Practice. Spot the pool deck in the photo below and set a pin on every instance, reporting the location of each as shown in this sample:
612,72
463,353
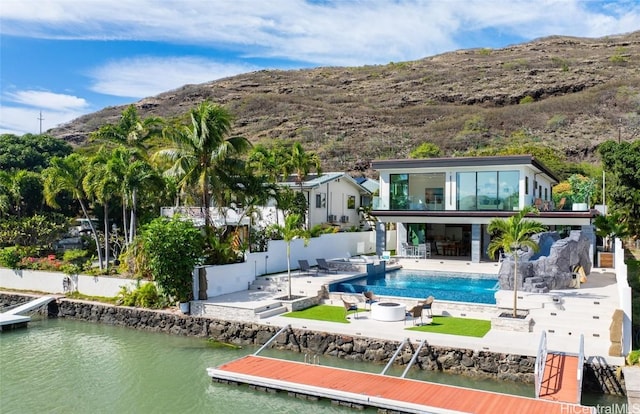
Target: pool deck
564,314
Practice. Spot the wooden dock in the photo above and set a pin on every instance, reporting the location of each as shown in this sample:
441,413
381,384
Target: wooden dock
560,382
361,389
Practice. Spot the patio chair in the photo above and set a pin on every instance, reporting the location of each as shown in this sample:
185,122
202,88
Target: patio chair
324,266
414,313
426,304
407,251
306,268
424,251
561,203
369,298
349,306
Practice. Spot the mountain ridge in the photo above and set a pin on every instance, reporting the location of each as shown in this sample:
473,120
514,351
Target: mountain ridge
569,92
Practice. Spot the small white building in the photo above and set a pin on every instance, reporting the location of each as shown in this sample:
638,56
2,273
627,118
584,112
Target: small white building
332,198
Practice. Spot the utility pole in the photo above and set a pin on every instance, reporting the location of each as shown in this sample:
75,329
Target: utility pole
40,118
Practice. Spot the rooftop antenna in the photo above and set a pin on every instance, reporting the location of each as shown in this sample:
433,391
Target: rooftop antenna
40,118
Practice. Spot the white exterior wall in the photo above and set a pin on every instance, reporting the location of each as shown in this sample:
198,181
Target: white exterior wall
237,277
336,194
52,282
450,189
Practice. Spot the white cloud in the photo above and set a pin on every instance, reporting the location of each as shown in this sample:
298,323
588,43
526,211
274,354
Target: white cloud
21,120
327,32
44,99
145,76
26,108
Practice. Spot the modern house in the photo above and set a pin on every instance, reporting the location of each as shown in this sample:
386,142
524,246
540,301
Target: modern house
447,203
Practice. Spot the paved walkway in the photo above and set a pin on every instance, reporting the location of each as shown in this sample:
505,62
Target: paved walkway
586,310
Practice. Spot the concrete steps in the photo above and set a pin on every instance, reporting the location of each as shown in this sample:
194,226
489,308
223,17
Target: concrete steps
270,310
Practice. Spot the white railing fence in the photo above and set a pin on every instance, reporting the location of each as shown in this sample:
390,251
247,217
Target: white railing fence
580,367
624,293
541,361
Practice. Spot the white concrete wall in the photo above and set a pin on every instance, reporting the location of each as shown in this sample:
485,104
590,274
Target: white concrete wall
624,293
52,282
236,277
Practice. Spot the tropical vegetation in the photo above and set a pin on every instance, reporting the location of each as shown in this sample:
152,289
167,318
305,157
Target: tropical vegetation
511,236
118,182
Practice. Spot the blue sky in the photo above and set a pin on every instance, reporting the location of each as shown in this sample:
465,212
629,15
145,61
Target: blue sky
67,58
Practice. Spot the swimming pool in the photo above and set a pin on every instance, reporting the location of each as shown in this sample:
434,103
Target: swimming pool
458,287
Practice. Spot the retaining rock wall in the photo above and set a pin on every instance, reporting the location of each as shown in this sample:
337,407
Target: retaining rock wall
451,360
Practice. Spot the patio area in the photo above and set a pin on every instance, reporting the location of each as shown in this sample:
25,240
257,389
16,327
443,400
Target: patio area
564,314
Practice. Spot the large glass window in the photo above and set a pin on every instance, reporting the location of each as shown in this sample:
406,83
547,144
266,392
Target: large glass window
509,188
487,190
466,197
399,196
423,191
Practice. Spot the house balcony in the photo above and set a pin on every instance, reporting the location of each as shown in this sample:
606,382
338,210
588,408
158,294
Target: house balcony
407,204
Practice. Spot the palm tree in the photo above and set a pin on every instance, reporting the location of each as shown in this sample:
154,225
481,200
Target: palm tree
292,230
132,173
301,163
272,161
610,227
201,149
67,174
101,182
130,131
511,235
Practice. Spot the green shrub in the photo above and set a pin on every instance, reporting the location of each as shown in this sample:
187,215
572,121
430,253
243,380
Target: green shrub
145,296
10,257
75,256
527,100
634,357
620,56
556,122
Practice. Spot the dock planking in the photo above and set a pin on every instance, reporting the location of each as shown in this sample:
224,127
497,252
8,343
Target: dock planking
560,380
375,390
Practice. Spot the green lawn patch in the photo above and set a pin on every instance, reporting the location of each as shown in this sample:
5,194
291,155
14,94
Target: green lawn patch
320,313
455,326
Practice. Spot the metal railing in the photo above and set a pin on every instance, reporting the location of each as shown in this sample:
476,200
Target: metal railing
580,367
272,339
541,361
394,356
413,358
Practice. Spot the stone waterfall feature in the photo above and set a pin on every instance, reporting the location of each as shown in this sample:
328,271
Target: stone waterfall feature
550,267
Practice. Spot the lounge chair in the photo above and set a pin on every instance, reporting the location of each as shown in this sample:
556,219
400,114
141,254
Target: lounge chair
369,298
426,304
349,306
306,268
414,313
324,266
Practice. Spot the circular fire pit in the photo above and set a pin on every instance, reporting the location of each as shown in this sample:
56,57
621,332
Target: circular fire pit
388,311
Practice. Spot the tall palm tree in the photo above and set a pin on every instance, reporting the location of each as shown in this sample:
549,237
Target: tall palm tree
511,235
292,230
101,182
133,173
130,131
67,174
271,161
201,148
302,163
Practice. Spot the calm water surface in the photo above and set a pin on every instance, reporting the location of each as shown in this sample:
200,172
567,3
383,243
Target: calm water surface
63,366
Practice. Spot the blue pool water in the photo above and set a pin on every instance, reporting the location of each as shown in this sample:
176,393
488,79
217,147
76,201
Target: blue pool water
458,287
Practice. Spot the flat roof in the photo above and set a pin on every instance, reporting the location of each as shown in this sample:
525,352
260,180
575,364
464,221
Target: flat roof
464,162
